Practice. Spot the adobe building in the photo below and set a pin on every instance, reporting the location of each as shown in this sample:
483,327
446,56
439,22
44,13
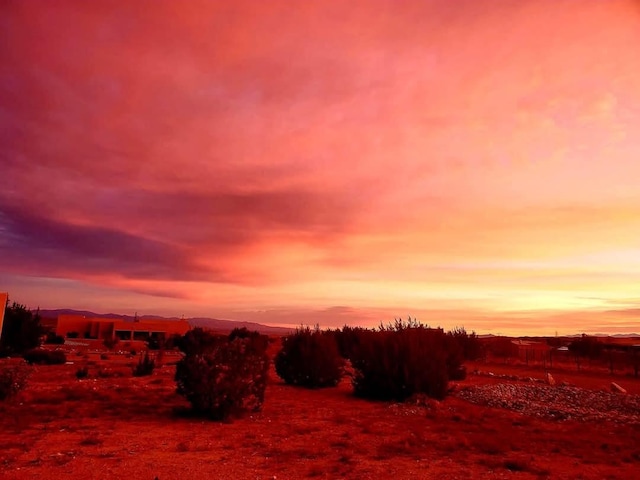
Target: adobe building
103,328
4,299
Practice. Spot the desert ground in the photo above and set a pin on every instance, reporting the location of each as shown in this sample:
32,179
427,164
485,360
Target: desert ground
503,421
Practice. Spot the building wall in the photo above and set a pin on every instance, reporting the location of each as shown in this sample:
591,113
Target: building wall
4,298
109,328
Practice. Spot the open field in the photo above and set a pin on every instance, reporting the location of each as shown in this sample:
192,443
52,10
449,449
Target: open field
119,427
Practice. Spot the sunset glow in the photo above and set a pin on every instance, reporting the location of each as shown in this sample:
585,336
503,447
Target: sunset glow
466,163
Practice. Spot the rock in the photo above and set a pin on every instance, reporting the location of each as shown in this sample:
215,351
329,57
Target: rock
617,388
550,379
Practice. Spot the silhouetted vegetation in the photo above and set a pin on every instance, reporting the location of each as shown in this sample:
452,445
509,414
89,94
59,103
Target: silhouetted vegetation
310,358
12,380
470,346
403,359
347,339
40,356
221,378
53,339
21,330
501,347
197,341
111,343
145,366
586,347
258,341
82,372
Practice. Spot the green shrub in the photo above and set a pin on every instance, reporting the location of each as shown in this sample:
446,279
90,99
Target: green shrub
144,366
221,379
12,380
400,360
82,372
310,358
40,356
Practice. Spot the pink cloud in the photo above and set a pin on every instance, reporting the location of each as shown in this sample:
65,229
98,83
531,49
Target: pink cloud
261,149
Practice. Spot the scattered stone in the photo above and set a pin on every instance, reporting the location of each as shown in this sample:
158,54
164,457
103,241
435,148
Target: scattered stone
617,388
550,380
557,402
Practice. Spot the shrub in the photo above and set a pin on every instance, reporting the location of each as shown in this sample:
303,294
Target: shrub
310,358
257,342
105,372
82,372
469,343
53,339
221,378
347,339
12,380
145,366
585,346
111,343
40,356
398,361
197,341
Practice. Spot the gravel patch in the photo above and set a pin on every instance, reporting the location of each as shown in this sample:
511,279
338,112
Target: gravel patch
556,402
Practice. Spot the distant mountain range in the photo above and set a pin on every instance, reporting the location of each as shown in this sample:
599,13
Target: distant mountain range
211,323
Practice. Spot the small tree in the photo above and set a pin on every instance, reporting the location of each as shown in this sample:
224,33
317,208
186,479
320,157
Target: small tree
21,330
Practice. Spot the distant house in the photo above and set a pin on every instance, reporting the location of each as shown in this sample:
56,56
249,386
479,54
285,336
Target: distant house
531,351
109,328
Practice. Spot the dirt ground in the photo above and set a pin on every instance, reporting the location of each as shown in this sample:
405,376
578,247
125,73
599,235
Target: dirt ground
127,427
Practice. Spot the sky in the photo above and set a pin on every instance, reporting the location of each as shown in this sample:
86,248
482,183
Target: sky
468,163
